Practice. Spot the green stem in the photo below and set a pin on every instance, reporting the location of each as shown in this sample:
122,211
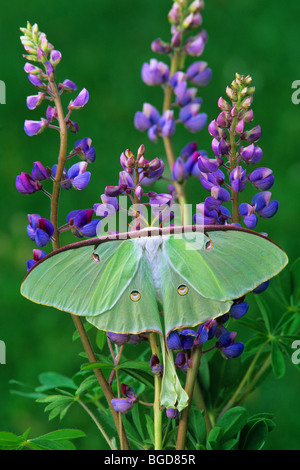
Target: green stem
189,388
157,411
201,405
168,143
253,382
56,244
246,377
96,422
235,196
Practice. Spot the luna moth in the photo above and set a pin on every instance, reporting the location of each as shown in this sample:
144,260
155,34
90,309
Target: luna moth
123,282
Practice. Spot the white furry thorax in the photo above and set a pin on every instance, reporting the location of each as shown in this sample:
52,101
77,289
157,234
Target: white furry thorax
152,248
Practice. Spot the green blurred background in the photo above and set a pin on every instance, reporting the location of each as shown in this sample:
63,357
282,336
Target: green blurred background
104,45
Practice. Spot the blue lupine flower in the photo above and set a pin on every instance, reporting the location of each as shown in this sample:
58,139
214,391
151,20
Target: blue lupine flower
25,184
80,101
172,413
39,172
82,223
85,150
238,310
39,229
155,73
227,346
37,256
122,405
76,176
262,287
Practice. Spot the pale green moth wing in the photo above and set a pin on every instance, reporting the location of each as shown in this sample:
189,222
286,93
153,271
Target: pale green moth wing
229,264
136,309
183,304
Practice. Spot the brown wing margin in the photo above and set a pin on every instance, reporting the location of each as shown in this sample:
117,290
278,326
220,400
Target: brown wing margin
151,232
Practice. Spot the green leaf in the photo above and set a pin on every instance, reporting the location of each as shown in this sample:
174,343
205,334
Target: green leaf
233,421
135,413
63,434
264,312
198,426
9,440
101,339
46,444
278,362
52,380
214,438
88,383
150,427
256,436
143,377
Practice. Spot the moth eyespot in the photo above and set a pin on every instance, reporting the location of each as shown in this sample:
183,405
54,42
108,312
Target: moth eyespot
135,296
95,258
209,245
182,290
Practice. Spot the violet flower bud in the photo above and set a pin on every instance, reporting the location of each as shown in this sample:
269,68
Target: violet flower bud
205,216
195,47
85,150
35,127
172,413
173,341
129,393
227,346
122,405
253,135
251,154
161,47
216,131
118,338
262,178
239,310
37,82
261,288
55,57
264,206
238,179
39,229
220,193
108,207
25,184
77,176
39,172
51,113
80,101
179,172
67,86
37,256
155,73
35,100
50,71
32,69
220,147
209,165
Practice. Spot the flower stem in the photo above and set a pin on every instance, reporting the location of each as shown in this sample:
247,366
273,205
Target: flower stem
246,377
56,244
157,410
189,388
96,422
